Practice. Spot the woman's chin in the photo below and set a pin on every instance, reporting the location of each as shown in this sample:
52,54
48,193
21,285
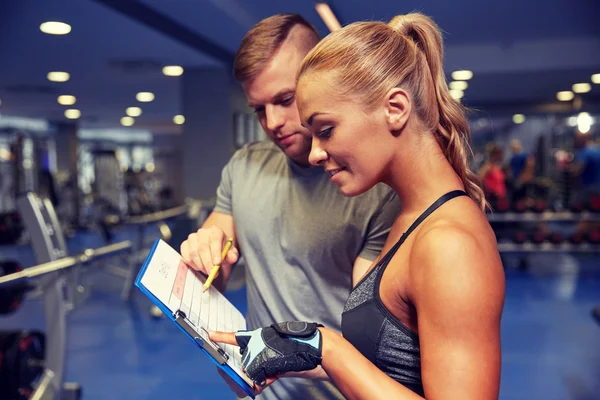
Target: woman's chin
351,190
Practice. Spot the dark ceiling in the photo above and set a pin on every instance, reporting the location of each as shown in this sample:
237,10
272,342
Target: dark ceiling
521,52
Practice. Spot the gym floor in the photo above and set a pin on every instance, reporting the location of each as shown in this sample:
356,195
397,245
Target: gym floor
551,344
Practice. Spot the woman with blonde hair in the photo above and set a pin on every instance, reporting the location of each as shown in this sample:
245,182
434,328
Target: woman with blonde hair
424,320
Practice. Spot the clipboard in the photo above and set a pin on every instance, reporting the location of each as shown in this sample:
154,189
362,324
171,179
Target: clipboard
197,334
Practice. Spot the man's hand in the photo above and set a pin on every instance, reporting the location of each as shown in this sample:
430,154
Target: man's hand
202,250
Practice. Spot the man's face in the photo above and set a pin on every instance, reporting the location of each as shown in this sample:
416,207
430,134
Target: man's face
272,95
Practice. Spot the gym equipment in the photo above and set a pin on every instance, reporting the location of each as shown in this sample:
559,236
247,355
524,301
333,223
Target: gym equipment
22,363
520,237
109,184
539,236
50,250
594,203
11,298
556,238
577,206
502,205
520,206
576,238
594,236
539,206
11,227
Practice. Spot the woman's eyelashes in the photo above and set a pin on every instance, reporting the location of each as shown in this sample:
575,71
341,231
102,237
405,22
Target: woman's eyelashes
325,133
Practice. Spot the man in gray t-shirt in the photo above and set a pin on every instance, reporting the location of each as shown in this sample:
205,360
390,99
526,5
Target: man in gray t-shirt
304,243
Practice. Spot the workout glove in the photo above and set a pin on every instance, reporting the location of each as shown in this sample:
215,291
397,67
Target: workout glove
279,348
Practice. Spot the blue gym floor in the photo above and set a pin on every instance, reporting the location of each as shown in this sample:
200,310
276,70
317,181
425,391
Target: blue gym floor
551,345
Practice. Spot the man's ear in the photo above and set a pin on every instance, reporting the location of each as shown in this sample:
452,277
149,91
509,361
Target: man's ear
398,106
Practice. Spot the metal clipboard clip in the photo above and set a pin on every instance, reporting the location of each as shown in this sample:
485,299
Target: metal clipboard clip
201,338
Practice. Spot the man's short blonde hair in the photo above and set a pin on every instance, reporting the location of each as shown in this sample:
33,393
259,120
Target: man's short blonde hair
263,40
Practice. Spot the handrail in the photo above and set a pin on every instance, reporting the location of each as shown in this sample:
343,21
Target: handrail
157,216
66,262
546,216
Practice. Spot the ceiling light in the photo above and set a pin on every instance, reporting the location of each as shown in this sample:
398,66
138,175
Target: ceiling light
55,28
133,111
459,85
66,100
57,76
328,16
596,79
72,113
172,70
582,87
145,97
179,119
572,121
127,121
518,118
584,122
462,75
457,94
565,95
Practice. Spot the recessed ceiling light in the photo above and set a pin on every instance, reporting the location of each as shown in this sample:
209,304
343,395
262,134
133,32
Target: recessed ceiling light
457,94
172,70
133,111
518,118
462,75
66,100
145,97
565,95
596,79
179,119
72,113
584,122
127,121
459,85
55,28
582,87
58,76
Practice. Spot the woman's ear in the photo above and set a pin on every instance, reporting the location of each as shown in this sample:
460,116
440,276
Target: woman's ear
398,107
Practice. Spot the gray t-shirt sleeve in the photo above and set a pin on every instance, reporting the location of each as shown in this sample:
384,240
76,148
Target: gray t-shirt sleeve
380,226
224,191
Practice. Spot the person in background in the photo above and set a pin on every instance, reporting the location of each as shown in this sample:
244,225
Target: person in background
521,170
424,320
304,243
492,175
586,164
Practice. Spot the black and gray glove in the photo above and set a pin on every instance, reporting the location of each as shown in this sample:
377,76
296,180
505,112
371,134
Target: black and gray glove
279,348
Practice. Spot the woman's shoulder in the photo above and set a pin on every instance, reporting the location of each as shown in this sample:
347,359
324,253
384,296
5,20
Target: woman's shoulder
458,244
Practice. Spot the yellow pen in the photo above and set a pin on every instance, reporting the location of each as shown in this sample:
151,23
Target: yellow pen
215,269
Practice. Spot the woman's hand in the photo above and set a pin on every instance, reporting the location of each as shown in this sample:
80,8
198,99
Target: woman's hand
276,350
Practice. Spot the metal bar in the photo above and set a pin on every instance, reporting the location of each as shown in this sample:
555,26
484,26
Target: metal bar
158,216
565,216
46,387
548,248
66,262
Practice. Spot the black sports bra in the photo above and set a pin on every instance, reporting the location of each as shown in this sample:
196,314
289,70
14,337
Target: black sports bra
375,331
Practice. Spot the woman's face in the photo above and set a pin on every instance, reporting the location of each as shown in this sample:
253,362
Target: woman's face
353,145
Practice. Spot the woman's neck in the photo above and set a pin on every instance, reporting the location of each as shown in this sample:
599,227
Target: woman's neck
420,173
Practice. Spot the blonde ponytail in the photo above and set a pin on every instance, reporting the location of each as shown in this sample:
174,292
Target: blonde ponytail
450,123
373,57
